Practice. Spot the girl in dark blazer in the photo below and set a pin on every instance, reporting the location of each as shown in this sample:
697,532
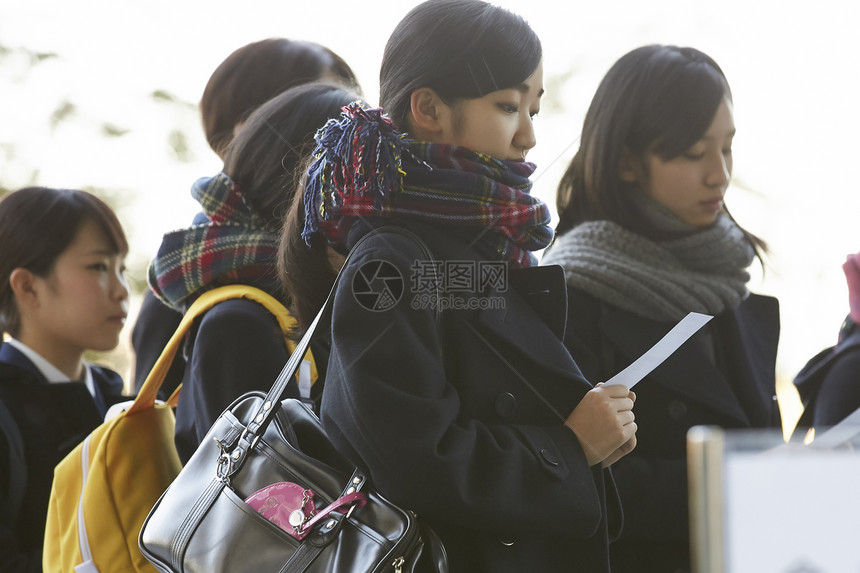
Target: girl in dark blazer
238,346
644,238
62,292
448,381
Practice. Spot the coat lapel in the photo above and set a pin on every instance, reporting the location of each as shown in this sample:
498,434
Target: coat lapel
535,308
752,333
11,355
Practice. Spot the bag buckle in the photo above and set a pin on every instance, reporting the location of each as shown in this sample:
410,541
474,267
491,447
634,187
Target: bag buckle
253,442
224,467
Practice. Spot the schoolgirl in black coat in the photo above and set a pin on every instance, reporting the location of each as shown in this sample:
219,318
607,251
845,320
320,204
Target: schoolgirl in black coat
249,77
644,238
62,292
448,381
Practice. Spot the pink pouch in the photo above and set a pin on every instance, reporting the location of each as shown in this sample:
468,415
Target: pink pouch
287,505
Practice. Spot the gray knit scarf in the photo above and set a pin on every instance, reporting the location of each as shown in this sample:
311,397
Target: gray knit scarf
702,270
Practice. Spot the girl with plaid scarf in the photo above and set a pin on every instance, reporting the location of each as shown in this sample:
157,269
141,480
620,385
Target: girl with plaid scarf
249,77
447,380
238,345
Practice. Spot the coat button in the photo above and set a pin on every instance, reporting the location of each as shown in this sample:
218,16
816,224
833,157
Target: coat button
506,405
549,457
677,409
507,540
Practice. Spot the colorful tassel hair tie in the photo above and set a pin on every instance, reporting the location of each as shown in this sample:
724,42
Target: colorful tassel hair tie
357,163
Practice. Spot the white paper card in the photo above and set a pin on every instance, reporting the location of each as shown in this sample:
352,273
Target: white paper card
655,356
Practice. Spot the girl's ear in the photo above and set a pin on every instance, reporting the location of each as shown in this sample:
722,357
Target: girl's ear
23,286
630,167
429,114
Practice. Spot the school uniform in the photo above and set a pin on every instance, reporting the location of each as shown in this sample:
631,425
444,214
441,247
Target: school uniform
459,414
724,376
236,347
51,418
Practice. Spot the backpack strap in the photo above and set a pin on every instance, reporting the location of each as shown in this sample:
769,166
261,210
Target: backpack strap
149,391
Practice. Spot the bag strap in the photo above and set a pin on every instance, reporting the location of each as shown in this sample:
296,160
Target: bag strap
149,391
266,411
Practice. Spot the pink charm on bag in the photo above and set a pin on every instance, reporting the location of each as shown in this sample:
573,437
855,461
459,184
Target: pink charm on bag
287,505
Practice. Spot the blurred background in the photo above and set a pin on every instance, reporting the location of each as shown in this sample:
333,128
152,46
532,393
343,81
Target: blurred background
102,95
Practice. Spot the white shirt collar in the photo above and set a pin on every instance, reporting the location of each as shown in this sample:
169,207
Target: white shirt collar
48,370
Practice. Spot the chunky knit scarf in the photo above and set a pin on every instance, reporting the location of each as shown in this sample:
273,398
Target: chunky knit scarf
365,167
701,270
233,246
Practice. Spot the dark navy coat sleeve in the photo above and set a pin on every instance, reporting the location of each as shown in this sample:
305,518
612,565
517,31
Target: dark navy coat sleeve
829,384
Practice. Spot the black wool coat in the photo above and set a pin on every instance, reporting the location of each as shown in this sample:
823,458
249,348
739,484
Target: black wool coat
51,419
731,385
459,414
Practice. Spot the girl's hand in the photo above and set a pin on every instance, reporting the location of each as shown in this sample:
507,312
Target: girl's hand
604,423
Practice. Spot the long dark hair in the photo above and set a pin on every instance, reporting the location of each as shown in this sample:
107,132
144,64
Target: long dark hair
256,72
36,225
266,155
306,272
460,49
656,98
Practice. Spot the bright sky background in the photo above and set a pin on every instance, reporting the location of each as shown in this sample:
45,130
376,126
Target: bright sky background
793,67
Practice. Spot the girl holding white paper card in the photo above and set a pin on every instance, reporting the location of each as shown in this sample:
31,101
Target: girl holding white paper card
644,238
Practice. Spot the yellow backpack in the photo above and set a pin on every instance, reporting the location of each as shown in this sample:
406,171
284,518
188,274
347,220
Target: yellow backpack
104,489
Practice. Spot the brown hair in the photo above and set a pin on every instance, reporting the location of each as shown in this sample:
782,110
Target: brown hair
269,150
36,225
258,71
306,272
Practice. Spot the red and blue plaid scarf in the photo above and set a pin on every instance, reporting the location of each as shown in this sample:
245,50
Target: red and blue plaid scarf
232,246
364,167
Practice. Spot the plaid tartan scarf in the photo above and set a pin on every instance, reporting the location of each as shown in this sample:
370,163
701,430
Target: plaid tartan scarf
233,246
364,167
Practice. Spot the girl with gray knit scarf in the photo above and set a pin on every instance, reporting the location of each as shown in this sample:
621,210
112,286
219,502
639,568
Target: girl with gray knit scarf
644,238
